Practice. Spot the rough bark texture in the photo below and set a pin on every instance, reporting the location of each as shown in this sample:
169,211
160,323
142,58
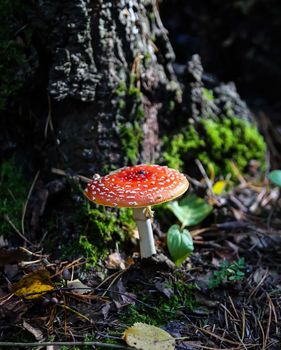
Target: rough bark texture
96,46
226,97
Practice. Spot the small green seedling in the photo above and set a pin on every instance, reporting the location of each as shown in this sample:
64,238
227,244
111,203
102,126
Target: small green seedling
228,272
190,210
179,243
275,177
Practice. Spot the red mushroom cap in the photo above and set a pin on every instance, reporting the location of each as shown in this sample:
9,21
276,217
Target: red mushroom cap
137,186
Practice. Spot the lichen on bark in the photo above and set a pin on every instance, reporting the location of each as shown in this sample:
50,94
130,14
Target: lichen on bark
96,46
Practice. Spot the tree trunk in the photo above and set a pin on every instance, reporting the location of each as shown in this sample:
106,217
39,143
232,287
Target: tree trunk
110,79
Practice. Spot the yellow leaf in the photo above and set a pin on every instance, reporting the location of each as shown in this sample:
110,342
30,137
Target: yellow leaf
35,282
145,337
218,187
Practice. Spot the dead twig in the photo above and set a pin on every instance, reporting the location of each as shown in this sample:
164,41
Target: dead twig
243,324
113,281
74,263
107,279
66,343
49,122
233,306
78,314
203,330
253,292
198,232
6,217
263,335
269,320
194,181
34,254
204,174
233,319
64,173
27,200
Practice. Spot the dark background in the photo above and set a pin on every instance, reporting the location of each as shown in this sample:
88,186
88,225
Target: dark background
237,40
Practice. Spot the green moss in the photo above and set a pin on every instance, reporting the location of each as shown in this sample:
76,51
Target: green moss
90,251
131,138
164,309
179,145
109,224
100,229
130,109
216,142
208,94
13,193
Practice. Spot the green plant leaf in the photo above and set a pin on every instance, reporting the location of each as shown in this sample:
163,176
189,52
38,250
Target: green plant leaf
179,243
275,177
191,210
228,272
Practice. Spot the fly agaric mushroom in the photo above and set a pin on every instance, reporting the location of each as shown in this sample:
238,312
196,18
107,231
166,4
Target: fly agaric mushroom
138,187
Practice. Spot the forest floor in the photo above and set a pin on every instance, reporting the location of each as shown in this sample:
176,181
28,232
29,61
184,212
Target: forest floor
225,296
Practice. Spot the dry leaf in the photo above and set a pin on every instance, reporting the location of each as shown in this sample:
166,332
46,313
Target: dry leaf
120,296
115,261
145,337
35,282
78,287
219,187
11,312
163,288
130,261
38,334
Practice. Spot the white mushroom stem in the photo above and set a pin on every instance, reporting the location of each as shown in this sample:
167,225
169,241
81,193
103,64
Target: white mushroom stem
147,246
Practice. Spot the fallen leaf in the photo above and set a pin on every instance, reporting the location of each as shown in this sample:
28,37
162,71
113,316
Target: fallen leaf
145,337
115,261
219,187
130,261
163,288
105,309
11,312
259,274
35,331
120,296
37,282
78,287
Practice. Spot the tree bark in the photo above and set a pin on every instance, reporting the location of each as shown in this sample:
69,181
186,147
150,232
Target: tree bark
111,70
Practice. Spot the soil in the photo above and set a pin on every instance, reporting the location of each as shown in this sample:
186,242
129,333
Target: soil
225,296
